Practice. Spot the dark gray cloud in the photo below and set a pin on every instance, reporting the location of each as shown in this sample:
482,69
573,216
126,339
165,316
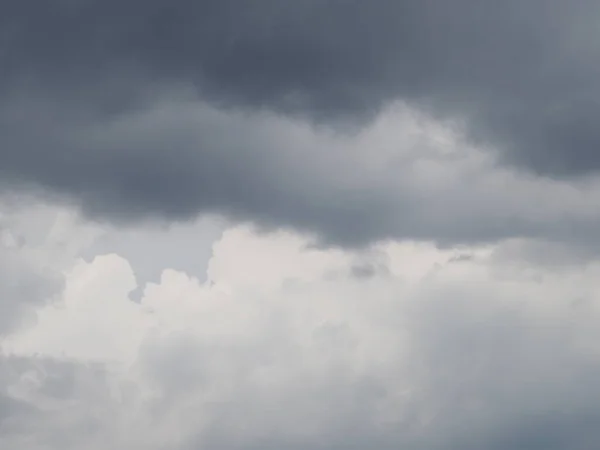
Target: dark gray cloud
179,158
524,72
77,75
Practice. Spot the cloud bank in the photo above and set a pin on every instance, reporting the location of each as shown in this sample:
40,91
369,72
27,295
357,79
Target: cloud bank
285,344
326,224
140,110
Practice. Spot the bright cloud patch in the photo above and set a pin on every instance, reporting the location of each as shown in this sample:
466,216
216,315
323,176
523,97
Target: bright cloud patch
403,345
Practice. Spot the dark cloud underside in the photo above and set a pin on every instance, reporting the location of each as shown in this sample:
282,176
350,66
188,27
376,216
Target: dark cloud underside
523,73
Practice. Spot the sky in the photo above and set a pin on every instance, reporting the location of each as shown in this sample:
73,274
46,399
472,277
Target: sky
303,225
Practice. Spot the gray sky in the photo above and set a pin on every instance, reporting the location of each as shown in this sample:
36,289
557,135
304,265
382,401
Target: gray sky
317,224
138,109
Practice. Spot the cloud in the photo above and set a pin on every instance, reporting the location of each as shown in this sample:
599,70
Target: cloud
523,73
37,245
312,225
418,180
185,247
285,345
27,279
138,110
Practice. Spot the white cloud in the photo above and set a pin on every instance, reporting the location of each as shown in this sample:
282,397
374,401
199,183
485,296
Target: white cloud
285,344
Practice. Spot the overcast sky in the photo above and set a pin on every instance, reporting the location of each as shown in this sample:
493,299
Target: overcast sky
304,225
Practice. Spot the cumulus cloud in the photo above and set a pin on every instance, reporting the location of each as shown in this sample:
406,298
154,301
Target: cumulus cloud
184,246
284,344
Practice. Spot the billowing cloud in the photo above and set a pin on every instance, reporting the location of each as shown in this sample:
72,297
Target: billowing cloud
316,224
145,110
284,344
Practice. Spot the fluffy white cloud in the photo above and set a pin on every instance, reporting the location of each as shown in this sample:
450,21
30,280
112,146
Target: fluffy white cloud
285,344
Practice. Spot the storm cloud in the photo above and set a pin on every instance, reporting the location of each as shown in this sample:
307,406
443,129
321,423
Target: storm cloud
166,169
85,86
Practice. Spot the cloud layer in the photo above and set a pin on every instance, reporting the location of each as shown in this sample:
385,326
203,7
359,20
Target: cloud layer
404,177
285,344
141,110
318,224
